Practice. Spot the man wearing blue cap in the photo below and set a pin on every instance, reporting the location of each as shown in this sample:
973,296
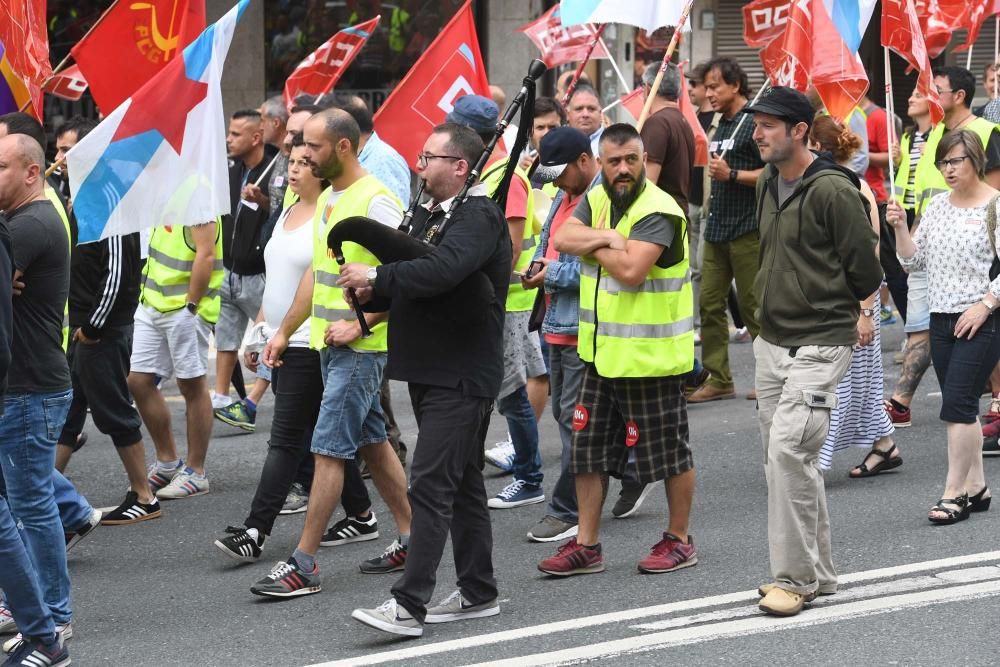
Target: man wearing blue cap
522,350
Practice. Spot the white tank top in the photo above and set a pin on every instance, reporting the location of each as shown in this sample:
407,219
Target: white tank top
287,256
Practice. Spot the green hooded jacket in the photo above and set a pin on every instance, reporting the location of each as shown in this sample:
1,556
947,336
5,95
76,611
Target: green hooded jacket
817,257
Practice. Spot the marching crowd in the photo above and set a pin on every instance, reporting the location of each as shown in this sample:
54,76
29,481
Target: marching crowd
611,262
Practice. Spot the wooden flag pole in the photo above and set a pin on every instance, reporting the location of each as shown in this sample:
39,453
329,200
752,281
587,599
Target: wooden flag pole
583,63
674,39
890,115
55,165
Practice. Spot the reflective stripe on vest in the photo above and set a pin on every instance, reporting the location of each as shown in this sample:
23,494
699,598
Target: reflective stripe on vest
328,303
53,197
167,277
518,298
929,181
641,331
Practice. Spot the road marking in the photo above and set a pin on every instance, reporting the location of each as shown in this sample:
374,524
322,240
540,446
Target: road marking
757,625
476,641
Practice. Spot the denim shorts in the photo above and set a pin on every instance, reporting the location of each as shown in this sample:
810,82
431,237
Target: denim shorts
918,307
350,415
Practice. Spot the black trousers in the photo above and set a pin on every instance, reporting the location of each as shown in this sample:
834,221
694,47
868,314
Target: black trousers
99,373
447,495
298,392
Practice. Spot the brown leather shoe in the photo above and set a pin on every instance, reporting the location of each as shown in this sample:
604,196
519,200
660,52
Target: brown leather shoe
752,395
708,393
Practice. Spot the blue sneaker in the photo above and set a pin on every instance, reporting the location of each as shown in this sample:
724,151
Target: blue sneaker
36,654
502,456
886,315
517,493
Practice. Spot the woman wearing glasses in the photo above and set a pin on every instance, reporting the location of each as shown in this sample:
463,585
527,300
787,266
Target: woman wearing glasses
953,246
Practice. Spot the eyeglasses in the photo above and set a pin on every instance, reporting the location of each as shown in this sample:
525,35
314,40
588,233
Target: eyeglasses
424,158
953,162
942,92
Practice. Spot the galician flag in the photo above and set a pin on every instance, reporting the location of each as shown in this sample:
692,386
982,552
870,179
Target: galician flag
646,14
160,157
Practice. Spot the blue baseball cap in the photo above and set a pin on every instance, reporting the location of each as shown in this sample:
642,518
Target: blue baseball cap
475,111
559,147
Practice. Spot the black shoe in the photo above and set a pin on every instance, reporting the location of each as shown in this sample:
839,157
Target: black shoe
240,544
81,440
36,654
350,529
393,559
132,511
286,580
630,499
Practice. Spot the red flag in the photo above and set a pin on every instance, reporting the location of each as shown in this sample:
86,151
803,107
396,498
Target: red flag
451,67
691,116
811,52
562,44
321,70
634,102
133,42
974,18
938,20
68,84
764,21
901,33
26,46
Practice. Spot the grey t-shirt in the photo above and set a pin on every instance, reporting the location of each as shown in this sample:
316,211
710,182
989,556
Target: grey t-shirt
41,252
654,228
786,188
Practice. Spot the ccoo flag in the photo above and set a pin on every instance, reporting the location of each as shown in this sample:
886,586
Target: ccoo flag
159,158
322,69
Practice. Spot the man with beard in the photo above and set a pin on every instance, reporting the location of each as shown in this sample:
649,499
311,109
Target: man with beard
453,363
636,338
350,416
823,253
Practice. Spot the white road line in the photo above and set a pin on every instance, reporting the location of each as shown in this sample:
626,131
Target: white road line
756,625
625,615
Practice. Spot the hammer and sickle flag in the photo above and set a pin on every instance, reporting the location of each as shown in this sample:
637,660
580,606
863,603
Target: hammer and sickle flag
133,42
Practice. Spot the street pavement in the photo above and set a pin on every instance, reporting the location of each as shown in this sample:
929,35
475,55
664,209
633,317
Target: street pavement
160,593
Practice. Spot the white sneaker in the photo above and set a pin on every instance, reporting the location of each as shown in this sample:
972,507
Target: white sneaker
455,608
220,401
64,631
73,537
7,623
390,617
187,483
501,456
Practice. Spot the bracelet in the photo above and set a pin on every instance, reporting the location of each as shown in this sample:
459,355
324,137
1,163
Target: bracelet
989,308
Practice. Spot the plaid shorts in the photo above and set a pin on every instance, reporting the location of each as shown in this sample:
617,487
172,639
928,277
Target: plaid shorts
616,416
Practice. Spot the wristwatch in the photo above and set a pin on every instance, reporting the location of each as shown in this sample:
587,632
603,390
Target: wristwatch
868,312
372,275
988,306
734,174
192,307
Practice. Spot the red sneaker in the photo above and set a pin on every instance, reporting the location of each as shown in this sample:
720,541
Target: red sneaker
993,414
573,558
900,418
991,429
669,554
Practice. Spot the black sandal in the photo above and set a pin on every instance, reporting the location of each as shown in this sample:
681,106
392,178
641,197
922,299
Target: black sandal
888,462
952,515
979,504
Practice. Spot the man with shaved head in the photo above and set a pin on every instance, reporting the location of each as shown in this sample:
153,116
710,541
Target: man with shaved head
349,418
39,390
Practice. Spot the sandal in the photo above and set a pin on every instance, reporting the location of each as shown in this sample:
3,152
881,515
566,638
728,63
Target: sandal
888,462
951,515
979,504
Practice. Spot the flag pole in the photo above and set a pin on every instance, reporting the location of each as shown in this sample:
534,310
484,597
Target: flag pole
890,115
267,170
764,88
674,39
621,77
583,63
611,106
55,165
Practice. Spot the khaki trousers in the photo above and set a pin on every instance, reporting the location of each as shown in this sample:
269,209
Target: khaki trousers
796,392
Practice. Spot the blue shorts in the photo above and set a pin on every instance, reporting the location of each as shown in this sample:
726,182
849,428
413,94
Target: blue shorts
350,415
918,307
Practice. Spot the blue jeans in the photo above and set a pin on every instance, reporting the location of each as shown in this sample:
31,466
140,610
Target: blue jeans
523,428
74,510
29,428
19,583
350,415
565,374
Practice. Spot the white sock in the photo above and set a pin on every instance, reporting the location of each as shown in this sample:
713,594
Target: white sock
169,465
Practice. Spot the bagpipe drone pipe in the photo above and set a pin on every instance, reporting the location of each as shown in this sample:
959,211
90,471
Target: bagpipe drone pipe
472,296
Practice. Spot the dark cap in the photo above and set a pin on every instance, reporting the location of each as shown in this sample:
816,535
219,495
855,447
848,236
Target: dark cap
476,112
786,103
559,147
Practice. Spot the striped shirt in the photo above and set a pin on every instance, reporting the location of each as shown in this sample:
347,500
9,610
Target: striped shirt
917,143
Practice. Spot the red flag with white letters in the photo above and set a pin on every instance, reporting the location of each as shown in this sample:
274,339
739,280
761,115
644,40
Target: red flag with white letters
901,33
974,18
450,68
562,44
68,84
938,19
764,21
322,68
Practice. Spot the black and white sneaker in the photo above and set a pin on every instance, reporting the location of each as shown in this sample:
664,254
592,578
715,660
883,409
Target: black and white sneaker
350,529
132,511
242,544
73,537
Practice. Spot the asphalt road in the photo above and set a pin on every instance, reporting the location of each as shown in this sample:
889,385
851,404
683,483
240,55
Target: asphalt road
159,593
